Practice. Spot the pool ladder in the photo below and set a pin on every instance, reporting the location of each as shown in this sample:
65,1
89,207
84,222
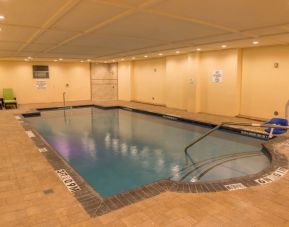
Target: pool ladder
64,101
287,110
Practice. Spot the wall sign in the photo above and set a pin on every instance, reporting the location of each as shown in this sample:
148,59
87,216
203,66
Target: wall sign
40,84
217,76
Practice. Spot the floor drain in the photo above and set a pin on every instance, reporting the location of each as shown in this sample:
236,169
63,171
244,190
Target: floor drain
48,191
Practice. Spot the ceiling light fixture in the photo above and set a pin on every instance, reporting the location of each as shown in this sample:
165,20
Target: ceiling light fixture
88,60
133,58
26,59
177,52
55,60
160,54
122,59
198,49
60,59
224,46
146,56
2,17
255,42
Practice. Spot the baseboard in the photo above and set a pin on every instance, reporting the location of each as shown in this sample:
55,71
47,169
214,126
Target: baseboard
149,103
252,118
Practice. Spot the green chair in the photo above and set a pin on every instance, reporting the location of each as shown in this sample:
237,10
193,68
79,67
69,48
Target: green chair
8,97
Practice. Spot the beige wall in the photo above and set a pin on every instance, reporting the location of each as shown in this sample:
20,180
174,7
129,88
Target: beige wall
18,75
265,89
176,80
181,82
220,98
148,81
185,82
251,85
124,81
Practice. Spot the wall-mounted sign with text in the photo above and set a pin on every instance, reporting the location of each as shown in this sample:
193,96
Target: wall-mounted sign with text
40,84
217,76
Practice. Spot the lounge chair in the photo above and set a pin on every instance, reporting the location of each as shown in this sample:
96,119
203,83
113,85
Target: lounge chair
8,97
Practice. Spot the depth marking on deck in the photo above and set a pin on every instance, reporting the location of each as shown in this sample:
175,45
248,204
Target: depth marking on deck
278,173
67,180
254,134
30,134
237,186
43,149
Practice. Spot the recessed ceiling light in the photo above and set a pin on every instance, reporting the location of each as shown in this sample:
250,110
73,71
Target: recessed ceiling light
177,52
255,42
160,54
60,59
224,46
2,17
55,60
26,59
133,58
146,56
198,49
29,58
81,61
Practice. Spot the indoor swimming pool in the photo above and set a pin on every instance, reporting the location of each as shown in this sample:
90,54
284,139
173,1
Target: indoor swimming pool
116,150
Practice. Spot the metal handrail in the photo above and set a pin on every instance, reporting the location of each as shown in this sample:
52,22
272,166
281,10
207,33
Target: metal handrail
233,123
202,137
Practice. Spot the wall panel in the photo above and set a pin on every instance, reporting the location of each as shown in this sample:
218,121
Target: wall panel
148,81
104,81
18,75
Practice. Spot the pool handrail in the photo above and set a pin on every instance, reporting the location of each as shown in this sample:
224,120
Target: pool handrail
202,137
64,101
234,123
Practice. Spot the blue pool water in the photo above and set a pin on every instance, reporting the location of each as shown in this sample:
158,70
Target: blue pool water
117,150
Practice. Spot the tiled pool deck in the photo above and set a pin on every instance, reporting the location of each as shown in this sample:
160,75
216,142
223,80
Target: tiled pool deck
31,193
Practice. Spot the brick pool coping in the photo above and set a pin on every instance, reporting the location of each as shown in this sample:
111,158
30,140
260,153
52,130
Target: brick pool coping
95,205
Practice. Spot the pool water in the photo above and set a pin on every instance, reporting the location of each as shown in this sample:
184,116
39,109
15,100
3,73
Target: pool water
117,150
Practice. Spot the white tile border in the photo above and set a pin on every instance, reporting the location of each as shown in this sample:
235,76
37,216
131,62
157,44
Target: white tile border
233,187
30,134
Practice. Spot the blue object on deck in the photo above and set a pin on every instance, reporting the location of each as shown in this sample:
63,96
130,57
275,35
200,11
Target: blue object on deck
277,121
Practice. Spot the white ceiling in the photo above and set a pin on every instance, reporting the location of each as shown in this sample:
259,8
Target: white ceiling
106,29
